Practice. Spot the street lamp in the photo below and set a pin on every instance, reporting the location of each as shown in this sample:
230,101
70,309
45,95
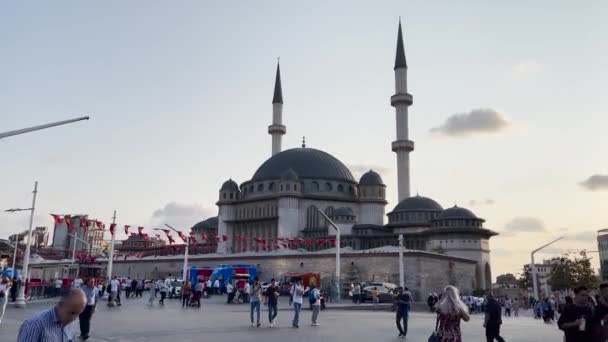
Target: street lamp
534,271
37,128
184,276
74,251
337,251
20,302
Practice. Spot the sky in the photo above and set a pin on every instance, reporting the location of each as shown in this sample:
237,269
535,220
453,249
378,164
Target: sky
509,115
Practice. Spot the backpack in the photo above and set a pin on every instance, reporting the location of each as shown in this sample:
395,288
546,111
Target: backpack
311,295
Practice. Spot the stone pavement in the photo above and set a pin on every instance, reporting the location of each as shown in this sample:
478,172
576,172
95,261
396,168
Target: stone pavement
217,321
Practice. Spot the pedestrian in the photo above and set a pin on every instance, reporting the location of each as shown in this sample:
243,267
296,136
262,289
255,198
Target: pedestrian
186,291
508,306
57,323
5,287
598,326
574,318
92,295
272,296
14,287
374,294
516,304
77,283
430,302
209,287
139,288
157,287
216,286
246,291
493,320
357,293
133,287
151,286
255,292
297,291
58,285
316,306
403,301
127,287
450,310
163,292
231,292
199,288
114,286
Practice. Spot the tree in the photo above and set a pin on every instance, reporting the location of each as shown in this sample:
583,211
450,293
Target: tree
525,280
569,272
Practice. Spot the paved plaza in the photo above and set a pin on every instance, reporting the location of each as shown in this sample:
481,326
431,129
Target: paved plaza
216,321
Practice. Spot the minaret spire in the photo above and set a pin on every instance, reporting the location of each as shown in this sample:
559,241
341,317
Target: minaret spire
402,146
277,130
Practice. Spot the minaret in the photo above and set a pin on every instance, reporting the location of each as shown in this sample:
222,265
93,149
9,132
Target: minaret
276,130
401,101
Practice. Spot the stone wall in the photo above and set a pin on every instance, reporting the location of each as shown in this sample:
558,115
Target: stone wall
424,272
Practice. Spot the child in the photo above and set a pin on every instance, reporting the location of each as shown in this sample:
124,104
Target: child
375,297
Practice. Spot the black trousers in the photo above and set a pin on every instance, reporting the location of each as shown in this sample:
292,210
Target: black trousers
402,317
85,320
162,297
185,300
493,333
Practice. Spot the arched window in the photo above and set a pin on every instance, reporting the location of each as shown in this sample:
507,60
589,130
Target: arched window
224,195
312,217
331,213
315,186
260,187
281,187
270,186
328,187
340,188
251,188
231,195
288,187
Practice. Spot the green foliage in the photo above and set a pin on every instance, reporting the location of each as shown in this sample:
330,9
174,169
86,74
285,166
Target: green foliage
525,280
569,272
479,292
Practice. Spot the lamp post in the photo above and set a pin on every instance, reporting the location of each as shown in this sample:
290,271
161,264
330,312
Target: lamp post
74,251
20,302
534,271
401,274
338,272
111,259
184,276
37,128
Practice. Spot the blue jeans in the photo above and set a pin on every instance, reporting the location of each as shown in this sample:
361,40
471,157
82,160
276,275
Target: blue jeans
255,306
272,311
296,313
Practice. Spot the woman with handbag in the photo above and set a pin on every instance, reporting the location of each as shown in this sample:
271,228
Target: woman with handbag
450,310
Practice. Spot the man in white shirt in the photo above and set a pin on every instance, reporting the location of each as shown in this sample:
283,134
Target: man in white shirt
114,284
77,283
297,290
216,286
58,285
163,291
229,291
246,290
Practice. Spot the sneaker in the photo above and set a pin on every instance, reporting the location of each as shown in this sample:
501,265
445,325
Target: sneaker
258,325
271,324
252,324
315,324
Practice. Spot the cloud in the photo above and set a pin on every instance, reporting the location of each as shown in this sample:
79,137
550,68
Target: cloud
181,216
487,201
596,182
523,224
359,169
524,69
584,236
477,121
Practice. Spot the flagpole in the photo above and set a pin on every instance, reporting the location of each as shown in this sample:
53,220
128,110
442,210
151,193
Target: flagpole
20,302
111,260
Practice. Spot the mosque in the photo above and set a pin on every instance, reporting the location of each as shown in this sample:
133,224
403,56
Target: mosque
288,194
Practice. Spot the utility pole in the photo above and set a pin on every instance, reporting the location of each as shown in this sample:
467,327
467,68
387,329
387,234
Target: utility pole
401,273
20,302
338,271
111,259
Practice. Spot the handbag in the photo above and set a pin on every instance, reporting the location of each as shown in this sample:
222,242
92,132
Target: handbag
435,337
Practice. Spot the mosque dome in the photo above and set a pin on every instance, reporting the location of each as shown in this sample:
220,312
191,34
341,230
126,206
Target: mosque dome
230,185
457,212
208,224
418,203
371,177
289,175
305,163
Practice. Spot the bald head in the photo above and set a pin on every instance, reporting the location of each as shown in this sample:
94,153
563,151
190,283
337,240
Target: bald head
71,306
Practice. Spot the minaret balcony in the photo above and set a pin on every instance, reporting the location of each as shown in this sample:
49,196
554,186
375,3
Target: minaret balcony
280,129
403,145
402,98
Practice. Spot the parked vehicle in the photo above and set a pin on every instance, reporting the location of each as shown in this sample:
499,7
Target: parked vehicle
385,295
308,279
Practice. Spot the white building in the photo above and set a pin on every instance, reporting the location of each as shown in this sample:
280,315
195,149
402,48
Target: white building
282,198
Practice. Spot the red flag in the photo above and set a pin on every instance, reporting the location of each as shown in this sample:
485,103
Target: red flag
204,236
84,224
139,229
224,238
98,224
112,226
68,222
320,242
56,218
193,238
181,235
158,236
171,241
127,229
167,231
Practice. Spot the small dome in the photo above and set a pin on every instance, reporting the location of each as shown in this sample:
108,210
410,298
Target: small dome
418,203
371,177
230,185
456,212
289,175
344,211
208,224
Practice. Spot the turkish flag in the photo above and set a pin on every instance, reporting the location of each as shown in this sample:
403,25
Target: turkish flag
181,235
140,229
204,236
171,241
127,229
167,231
84,224
112,226
320,242
193,238
98,224
224,238
56,219
68,222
